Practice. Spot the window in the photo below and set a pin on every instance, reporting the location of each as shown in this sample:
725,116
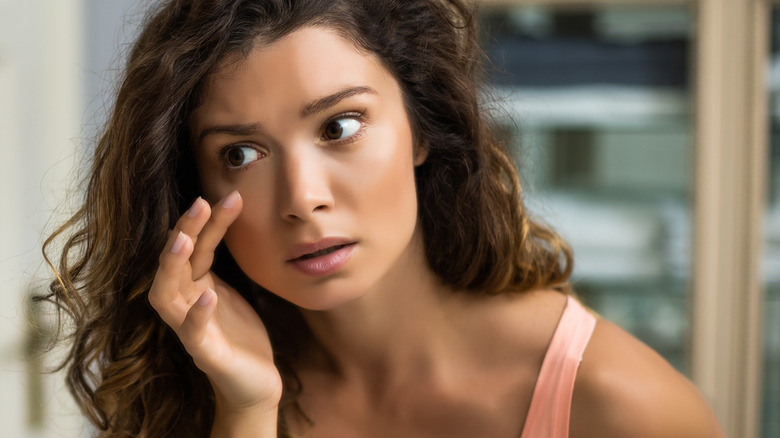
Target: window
597,105
690,148
771,265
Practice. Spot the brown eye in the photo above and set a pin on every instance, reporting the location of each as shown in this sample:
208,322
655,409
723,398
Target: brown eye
333,130
341,128
240,156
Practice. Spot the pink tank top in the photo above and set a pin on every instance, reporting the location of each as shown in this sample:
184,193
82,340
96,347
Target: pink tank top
548,416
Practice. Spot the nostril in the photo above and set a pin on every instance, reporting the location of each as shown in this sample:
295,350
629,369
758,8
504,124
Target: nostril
304,214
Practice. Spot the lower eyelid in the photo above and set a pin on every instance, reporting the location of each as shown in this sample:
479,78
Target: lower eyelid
221,156
361,132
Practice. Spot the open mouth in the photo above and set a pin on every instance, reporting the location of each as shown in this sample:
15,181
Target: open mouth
322,252
325,261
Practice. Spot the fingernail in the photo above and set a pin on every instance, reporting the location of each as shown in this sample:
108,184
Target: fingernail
196,207
231,200
178,244
206,297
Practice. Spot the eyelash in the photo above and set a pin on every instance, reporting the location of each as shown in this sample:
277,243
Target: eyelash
357,115
222,156
360,116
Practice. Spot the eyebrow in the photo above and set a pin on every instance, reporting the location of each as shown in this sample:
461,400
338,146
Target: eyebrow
236,130
329,101
314,107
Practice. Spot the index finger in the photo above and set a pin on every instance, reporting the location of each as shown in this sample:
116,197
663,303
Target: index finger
222,216
165,293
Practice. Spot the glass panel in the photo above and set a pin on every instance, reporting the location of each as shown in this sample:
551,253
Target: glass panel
596,103
771,268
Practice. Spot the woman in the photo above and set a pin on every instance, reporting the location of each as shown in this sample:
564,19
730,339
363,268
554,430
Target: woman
298,223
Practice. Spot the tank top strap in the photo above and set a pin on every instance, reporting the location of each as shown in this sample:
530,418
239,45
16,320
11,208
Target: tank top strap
548,415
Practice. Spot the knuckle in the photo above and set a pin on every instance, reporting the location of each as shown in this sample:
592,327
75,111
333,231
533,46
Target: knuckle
154,299
166,261
223,217
188,223
181,224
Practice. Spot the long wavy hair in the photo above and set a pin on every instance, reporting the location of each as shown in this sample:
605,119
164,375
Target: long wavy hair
125,367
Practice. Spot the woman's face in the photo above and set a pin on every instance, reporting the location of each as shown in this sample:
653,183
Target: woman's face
314,135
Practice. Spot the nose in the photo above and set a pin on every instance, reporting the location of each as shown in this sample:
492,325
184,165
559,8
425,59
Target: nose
304,188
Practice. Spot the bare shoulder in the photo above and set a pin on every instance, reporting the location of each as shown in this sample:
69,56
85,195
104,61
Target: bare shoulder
624,388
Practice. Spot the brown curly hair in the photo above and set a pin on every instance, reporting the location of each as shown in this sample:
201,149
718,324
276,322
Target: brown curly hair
126,368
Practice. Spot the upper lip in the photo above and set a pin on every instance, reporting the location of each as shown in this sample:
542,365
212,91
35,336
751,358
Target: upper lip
308,248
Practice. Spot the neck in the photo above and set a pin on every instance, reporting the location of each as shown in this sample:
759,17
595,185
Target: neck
403,327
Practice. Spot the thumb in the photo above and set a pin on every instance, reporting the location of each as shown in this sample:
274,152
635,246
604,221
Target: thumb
193,329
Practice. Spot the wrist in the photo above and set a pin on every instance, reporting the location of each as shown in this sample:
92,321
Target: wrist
250,422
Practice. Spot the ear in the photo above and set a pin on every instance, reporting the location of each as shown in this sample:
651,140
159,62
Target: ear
420,153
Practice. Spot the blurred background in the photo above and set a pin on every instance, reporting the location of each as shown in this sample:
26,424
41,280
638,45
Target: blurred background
647,132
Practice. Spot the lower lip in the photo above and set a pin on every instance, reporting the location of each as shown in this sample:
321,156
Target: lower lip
325,264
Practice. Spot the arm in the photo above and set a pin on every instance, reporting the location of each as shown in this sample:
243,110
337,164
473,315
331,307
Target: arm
624,388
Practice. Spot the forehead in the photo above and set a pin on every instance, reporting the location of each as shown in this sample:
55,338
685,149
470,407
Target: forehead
303,65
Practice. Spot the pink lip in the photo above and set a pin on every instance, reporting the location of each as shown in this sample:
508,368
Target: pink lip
323,264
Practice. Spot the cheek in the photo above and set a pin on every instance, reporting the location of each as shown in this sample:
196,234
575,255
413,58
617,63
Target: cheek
251,225
381,188
252,247
388,178
249,237
212,182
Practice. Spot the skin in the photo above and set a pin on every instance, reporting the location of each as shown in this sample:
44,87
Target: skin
398,353
300,186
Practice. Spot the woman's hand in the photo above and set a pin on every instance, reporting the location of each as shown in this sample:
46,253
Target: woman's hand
220,330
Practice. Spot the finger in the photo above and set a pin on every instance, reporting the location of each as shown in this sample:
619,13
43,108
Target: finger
193,220
164,295
222,216
193,330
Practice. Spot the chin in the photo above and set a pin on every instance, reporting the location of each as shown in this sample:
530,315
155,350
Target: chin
323,298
